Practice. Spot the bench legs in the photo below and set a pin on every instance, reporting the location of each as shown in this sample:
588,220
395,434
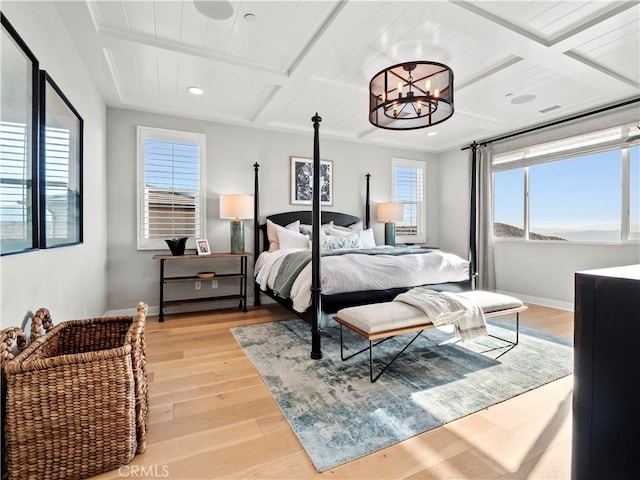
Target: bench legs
370,349
511,342
517,332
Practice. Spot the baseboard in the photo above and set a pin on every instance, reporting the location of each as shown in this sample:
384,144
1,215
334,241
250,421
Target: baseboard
545,302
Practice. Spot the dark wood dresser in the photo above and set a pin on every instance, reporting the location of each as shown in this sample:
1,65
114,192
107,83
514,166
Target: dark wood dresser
606,394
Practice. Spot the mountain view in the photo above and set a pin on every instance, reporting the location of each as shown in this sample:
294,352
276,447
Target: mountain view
504,230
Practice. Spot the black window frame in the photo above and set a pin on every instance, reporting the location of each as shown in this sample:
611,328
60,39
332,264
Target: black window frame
35,131
46,80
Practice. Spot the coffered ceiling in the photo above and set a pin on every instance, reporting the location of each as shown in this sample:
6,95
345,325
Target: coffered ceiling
516,63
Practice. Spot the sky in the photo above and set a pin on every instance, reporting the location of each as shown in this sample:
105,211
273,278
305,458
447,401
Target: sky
579,193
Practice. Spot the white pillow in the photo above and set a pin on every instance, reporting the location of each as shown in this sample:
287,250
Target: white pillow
334,242
307,229
336,232
272,233
291,239
368,240
355,227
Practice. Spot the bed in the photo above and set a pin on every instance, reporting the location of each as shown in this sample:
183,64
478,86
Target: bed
315,298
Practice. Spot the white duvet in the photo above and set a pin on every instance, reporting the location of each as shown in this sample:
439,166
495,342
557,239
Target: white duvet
356,272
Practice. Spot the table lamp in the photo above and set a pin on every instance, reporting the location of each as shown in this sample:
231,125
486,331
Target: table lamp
390,212
236,207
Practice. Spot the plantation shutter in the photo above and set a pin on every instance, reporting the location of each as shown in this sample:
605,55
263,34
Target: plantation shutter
57,200
15,187
172,198
408,189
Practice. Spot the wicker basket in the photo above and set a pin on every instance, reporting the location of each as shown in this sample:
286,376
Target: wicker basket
77,399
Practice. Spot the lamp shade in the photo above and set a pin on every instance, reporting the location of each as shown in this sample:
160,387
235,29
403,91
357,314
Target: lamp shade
390,212
236,206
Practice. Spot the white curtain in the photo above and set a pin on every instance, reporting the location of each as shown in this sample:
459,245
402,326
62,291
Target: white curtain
484,234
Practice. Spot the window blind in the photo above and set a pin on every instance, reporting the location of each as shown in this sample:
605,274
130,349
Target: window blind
172,203
58,197
15,187
408,188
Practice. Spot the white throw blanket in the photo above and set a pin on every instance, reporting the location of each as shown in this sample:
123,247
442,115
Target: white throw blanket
446,308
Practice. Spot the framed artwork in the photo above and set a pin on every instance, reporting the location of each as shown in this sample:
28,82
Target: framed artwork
302,181
61,129
203,246
19,134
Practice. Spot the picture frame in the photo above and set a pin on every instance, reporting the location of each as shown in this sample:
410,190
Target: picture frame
61,158
302,181
202,246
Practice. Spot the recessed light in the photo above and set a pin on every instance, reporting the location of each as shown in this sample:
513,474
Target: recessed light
432,134
250,17
195,90
214,9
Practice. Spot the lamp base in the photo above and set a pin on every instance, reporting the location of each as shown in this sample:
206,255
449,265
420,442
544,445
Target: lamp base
237,236
390,234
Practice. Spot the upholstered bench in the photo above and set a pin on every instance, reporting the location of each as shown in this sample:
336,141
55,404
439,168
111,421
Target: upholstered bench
382,321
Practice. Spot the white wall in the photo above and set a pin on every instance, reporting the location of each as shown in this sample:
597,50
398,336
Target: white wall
70,281
539,272
231,153
453,202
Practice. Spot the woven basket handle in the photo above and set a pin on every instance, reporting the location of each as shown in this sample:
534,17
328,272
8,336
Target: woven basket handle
42,318
7,337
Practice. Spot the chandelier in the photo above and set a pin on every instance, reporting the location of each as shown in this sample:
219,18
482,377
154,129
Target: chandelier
411,95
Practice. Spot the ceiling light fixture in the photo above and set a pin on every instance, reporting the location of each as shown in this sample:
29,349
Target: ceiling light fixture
411,95
214,9
195,90
249,17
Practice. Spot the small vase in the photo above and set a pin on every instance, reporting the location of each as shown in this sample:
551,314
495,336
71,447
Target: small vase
176,245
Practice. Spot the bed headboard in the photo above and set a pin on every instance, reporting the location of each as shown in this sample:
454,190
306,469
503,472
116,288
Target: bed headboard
285,218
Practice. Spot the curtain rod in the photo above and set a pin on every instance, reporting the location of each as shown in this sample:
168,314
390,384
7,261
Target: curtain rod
551,124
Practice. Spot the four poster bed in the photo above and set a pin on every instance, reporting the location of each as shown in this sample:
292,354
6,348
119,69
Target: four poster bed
350,276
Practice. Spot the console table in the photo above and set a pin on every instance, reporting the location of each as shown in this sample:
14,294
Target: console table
200,259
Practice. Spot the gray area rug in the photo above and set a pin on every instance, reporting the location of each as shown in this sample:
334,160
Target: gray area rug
339,415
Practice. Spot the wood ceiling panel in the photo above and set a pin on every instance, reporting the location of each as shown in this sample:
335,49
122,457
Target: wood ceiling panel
246,35
523,79
141,18
168,19
128,74
193,27
615,44
545,19
360,56
147,68
112,15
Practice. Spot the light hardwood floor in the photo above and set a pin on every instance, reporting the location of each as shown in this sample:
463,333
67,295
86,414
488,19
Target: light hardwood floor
212,417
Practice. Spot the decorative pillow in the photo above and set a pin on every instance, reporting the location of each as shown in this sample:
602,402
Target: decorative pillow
368,240
336,232
307,229
333,242
292,239
272,233
354,227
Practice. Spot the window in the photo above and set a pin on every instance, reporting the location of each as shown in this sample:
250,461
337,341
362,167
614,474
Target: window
18,144
16,208
171,194
60,168
582,188
508,191
634,194
408,177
